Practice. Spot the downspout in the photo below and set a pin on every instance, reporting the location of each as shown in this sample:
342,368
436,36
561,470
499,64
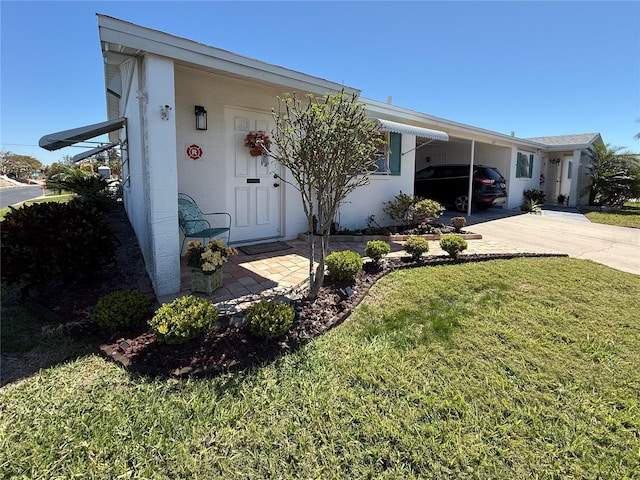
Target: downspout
473,151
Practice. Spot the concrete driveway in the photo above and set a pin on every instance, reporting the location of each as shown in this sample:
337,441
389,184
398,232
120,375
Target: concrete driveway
561,231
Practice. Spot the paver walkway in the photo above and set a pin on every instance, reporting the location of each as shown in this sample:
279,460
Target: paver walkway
246,277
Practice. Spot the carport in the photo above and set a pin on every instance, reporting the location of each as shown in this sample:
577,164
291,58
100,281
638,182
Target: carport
461,151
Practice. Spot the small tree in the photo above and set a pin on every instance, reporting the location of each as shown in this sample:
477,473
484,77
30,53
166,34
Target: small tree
615,177
329,147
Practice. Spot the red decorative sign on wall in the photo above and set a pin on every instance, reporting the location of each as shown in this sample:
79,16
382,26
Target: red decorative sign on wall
194,151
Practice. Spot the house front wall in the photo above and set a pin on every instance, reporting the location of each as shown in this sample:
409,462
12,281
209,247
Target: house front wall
520,179
356,210
210,179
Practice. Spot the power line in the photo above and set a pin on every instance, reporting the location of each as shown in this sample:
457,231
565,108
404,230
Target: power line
24,145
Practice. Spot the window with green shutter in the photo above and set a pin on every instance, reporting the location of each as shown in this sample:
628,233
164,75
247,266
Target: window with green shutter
524,165
395,140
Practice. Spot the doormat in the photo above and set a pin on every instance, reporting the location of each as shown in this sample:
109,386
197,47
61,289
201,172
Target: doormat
264,248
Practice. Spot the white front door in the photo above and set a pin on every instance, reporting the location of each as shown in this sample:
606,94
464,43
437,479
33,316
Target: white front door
253,193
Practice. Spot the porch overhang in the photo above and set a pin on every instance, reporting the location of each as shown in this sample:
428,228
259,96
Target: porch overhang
66,138
405,129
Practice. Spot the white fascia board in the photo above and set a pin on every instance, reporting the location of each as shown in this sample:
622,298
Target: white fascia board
159,43
403,114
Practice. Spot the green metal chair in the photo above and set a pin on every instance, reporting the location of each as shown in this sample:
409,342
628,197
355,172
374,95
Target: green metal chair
193,223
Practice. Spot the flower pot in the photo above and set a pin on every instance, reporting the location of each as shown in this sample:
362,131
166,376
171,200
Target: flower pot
206,282
256,151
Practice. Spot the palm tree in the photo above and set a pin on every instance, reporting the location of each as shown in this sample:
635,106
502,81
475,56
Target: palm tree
615,178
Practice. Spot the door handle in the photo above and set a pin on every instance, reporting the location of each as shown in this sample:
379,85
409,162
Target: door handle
276,184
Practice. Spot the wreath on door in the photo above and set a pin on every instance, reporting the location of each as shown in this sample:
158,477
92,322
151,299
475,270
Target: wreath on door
258,142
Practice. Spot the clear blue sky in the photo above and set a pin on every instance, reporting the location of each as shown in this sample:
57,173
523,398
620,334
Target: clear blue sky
536,68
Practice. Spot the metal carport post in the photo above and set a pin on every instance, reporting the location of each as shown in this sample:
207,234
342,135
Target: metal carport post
473,150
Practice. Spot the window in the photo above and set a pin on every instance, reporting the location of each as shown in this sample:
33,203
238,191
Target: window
524,165
388,160
570,168
382,157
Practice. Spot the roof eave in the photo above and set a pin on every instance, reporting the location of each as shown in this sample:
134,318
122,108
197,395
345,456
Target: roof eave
380,108
125,36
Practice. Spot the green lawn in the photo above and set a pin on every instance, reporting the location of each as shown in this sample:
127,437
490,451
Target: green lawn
515,369
48,198
627,216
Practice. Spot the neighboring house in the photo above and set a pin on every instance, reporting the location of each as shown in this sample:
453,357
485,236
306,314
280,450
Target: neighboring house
156,84
567,166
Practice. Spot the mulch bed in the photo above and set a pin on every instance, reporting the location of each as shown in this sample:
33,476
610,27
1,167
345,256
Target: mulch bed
234,348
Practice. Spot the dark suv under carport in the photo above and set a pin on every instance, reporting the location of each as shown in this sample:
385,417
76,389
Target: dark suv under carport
449,184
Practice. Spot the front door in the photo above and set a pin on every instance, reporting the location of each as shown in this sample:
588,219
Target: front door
253,192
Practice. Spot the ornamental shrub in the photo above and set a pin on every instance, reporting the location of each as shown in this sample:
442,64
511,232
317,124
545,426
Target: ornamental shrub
400,209
343,265
410,210
270,319
376,250
122,308
453,244
427,208
89,187
537,196
458,223
54,241
184,319
416,246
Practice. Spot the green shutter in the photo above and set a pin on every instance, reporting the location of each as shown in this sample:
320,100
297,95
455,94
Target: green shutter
394,153
519,165
531,166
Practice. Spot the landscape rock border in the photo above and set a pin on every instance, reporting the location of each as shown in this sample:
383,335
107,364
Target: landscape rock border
391,238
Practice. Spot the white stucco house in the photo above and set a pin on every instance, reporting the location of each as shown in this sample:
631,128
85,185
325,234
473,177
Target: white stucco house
155,83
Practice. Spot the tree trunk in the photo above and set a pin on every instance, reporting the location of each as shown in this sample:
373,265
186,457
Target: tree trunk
319,275
311,240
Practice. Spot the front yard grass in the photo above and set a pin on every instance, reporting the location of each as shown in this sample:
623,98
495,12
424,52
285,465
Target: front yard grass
49,198
515,369
627,216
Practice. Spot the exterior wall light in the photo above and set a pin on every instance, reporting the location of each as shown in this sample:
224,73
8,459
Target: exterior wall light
201,118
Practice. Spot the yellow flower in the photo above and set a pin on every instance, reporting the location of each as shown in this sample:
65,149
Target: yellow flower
208,267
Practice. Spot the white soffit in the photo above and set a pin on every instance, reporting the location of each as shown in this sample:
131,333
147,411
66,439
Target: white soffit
405,129
66,138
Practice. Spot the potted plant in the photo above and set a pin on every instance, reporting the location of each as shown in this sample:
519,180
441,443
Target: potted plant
206,264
